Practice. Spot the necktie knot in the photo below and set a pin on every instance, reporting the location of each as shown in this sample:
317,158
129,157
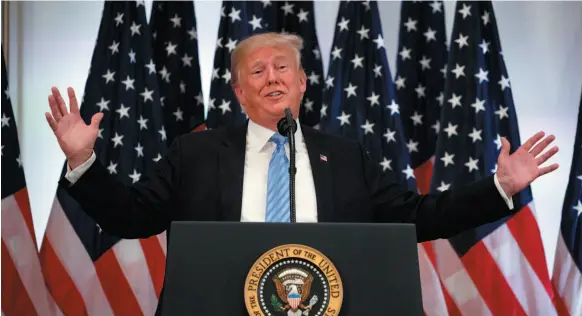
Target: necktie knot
278,139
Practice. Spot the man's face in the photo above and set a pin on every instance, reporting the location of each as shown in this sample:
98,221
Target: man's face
270,81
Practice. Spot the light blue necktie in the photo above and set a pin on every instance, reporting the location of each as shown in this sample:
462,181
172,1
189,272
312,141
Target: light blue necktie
278,183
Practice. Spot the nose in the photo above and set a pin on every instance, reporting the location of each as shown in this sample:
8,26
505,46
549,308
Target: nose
272,76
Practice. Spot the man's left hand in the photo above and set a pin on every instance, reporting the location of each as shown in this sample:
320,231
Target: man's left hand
518,170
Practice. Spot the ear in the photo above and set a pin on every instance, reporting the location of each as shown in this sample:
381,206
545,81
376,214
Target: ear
240,94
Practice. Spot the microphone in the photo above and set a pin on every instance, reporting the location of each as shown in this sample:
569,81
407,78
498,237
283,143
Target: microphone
287,127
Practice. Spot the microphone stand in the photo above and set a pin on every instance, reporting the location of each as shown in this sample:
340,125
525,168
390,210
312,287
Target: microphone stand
287,126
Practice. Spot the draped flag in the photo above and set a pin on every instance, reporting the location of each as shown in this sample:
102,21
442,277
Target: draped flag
567,275
175,41
238,20
360,91
87,270
297,17
23,290
498,268
420,81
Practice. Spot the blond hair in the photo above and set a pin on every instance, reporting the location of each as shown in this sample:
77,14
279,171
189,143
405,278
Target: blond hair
271,39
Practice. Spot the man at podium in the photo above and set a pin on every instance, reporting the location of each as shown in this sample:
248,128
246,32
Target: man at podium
241,173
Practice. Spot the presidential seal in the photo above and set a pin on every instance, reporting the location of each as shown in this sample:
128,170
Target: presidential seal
293,280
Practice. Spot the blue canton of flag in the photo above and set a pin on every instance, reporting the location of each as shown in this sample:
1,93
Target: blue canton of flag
122,84
360,93
173,25
420,81
567,274
297,17
502,258
238,20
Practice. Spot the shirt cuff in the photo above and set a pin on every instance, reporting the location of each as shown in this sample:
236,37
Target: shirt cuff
74,175
508,201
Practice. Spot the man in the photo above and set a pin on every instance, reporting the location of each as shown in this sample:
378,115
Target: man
240,173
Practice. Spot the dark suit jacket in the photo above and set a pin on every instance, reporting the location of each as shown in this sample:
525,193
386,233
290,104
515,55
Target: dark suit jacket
201,179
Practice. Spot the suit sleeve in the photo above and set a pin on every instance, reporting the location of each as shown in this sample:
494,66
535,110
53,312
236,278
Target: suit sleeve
435,215
136,211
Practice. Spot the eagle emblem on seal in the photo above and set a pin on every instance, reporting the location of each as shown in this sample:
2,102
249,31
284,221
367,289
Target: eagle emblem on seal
293,287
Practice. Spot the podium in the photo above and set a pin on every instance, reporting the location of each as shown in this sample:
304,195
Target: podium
300,269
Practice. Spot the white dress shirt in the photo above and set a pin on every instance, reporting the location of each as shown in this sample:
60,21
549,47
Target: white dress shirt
258,155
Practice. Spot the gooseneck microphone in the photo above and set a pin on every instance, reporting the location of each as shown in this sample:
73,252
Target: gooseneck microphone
287,127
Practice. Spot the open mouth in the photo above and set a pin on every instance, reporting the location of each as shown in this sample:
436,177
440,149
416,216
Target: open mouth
274,95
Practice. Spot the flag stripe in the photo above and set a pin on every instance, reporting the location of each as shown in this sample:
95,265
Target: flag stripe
490,281
423,174
523,226
162,238
457,280
60,284
433,300
23,202
15,299
116,286
132,261
452,307
567,279
519,274
71,259
22,251
155,257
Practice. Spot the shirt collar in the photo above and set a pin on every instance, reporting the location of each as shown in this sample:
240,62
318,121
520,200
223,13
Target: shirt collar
258,136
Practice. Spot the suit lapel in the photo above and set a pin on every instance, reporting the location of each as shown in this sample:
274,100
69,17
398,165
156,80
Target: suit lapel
231,161
319,158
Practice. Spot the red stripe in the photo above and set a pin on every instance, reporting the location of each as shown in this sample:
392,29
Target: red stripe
559,303
59,283
115,285
524,228
23,202
423,174
156,260
490,282
452,307
15,299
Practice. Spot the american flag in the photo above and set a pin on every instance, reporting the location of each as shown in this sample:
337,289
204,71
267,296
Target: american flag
173,25
87,270
420,82
567,274
238,20
23,290
297,17
360,92
498,268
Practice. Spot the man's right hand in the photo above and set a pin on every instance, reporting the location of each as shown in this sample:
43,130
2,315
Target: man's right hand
76,138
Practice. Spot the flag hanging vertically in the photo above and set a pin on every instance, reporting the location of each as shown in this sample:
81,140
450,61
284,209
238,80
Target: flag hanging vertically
238,20
420,81
87,270
567,274
23,289
498,268
359,92
298,17
175,42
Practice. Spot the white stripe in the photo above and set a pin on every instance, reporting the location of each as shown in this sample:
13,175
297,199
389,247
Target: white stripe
524,282
457,280
433,299
567,278
162,238
21,248
76,261
133,263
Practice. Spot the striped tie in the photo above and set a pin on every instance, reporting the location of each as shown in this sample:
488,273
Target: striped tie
278,183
